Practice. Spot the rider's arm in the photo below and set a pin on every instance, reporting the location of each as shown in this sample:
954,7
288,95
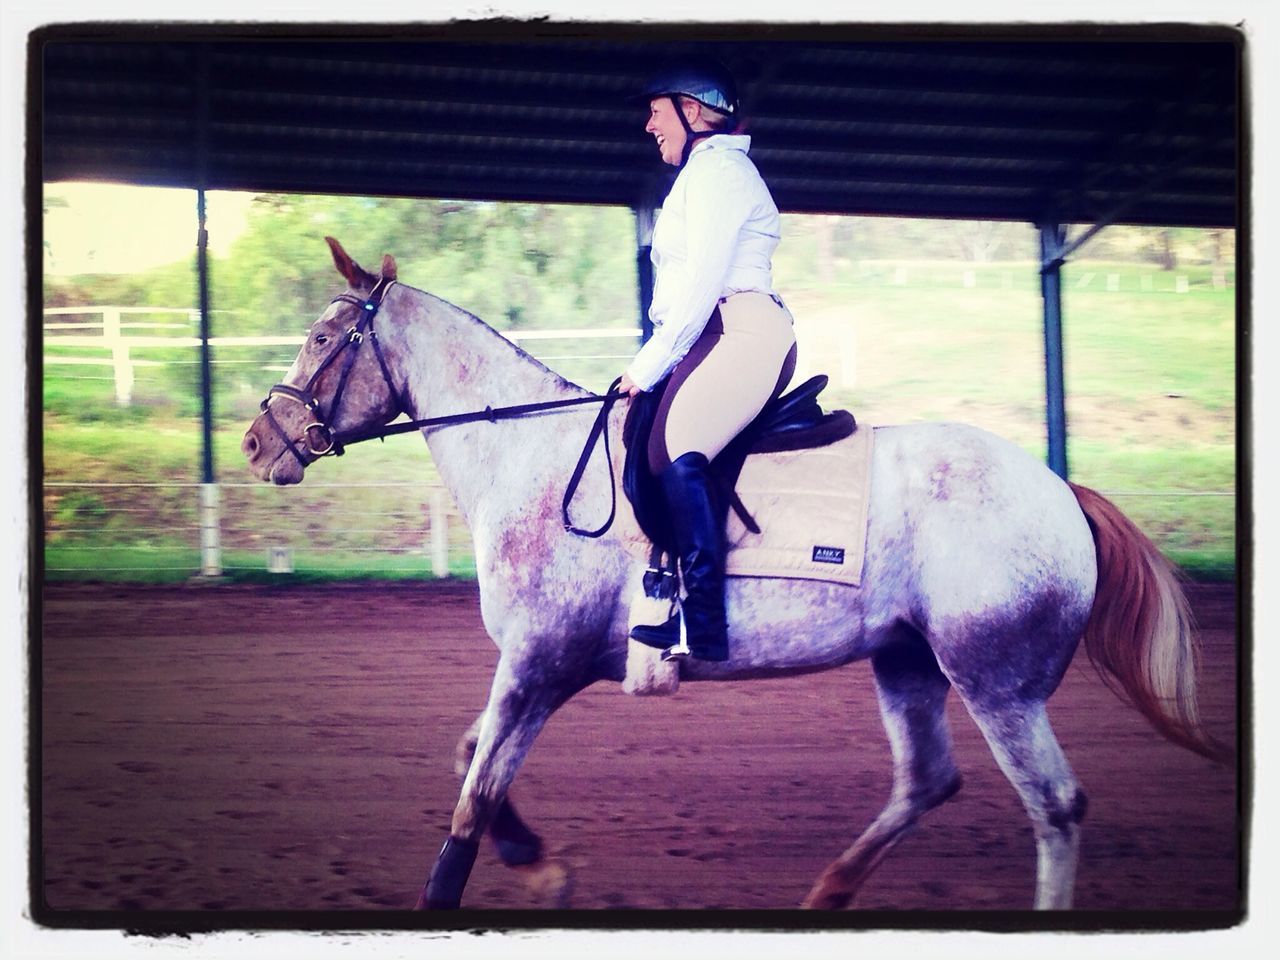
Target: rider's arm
718,200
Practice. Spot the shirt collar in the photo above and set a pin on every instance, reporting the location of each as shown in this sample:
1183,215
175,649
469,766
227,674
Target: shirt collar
722,141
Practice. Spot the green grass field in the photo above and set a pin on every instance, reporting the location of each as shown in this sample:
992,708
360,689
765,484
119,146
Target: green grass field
1150,375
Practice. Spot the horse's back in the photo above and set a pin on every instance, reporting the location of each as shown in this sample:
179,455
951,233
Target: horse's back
956,473
977,535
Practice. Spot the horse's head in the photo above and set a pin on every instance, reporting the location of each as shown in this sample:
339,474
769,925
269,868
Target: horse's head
340,384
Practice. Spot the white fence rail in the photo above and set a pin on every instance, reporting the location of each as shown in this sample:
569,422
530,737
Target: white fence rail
420,532
122,345
417,532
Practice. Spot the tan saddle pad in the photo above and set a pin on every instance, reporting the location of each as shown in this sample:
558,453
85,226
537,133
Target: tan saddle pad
811,507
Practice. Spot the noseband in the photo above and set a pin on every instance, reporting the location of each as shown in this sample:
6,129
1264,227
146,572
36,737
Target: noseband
360,331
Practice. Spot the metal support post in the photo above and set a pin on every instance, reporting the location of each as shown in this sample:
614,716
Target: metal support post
644,265
206,372
210,535
1052,242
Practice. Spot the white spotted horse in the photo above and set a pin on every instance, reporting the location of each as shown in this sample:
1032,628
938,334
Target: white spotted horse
1056,563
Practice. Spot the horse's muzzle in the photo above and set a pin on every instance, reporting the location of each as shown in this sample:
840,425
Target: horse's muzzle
269,459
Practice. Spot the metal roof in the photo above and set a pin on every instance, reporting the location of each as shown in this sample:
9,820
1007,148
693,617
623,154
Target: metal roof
937,125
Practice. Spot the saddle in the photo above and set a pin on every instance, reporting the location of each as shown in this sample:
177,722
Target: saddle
793,421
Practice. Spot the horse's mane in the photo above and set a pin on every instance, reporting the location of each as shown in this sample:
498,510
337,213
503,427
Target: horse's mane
488,330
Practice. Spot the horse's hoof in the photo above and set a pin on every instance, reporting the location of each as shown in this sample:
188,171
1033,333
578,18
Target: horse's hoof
519,853
449,875
425,901
428,903
826,896
516,844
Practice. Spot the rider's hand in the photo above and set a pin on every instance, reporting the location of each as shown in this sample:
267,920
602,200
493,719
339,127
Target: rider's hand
628,386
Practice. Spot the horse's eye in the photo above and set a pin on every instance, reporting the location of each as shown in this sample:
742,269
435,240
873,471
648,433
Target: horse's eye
321,339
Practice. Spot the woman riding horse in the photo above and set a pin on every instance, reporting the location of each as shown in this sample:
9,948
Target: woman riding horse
723,343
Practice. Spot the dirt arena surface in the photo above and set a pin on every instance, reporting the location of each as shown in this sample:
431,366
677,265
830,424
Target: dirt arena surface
257,748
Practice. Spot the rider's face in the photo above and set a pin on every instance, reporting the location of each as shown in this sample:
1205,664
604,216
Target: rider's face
667,129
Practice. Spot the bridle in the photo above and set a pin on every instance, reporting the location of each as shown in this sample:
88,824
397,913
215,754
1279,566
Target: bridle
349,348
335,442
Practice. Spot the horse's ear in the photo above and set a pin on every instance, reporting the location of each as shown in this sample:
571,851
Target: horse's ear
351,271
388,267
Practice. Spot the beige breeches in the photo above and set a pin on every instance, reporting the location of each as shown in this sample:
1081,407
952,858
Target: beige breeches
744,358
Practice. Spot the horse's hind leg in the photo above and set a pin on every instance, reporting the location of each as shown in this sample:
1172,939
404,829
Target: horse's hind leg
912,692
1030,756
516,844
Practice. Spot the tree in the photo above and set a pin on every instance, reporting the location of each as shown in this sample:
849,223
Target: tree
51,202
977,241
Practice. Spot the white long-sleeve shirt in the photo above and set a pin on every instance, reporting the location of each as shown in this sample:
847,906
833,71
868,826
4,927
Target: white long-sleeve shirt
715,236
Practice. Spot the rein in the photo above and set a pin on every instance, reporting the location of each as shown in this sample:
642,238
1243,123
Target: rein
337,441
494,414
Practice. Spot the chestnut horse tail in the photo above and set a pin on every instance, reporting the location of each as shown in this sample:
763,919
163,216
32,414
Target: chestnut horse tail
1139,635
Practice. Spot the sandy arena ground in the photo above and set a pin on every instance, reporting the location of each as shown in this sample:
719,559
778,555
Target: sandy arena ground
258,748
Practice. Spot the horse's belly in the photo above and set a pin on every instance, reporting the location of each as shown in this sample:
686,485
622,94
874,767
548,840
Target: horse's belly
784,625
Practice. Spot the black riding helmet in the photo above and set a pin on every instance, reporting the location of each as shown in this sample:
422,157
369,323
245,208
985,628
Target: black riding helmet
703,79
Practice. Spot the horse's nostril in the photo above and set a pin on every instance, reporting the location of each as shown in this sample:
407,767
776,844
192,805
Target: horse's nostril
250,445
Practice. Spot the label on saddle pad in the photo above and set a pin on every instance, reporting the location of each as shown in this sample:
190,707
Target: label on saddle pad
811,506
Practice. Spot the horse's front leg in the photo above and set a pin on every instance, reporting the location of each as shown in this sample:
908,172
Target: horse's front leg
519,705
517,845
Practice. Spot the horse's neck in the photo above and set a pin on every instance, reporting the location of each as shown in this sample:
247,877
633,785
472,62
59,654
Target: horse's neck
460,365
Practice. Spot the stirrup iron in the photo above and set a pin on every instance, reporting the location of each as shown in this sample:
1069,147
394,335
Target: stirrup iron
681,649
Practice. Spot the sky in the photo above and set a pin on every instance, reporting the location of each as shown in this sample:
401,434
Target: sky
85,235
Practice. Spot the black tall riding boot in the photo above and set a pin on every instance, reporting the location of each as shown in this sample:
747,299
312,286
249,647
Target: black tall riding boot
698,528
